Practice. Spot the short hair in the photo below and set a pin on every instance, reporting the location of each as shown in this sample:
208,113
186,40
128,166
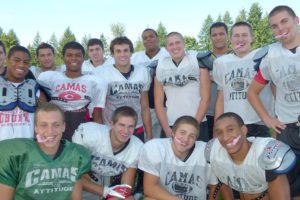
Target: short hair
48,107
233,115
150,29
124,111
17,48
120,40
186,120
44,45
174,33
241,23
281,8
217,25
95,41
73,45
3,47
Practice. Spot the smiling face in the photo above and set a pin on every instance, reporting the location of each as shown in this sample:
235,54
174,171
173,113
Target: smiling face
284,27
184,138
73,59
95,53
122,129
241,39
18,66
175,46
231,135
49,127
122,54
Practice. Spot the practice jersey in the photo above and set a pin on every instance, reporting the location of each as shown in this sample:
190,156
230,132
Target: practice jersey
186,179
74,93
181,85
34,175
122,91
282,67
105,163
249,176
234,75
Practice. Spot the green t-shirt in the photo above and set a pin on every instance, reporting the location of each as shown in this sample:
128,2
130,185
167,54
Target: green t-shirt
34,175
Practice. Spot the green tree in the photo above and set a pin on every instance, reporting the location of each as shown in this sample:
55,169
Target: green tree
263,33
32,48
219,19
242,16
118,29
9,39
227,19
68,36
139,46
84,42
53,41
204,41
191,43
162,33
105,44
1,31
254,18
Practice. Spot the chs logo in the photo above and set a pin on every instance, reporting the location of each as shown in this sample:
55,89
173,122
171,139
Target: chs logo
239,84
69,95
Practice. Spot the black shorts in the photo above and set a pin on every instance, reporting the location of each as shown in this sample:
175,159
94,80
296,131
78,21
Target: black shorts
290,135
257,130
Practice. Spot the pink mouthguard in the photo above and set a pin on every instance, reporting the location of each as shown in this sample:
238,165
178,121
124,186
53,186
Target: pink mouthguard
179,141
234,141
283,35
238,46
41,139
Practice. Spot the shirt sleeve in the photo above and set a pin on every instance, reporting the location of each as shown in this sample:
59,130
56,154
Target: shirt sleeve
149,161
259,78
99,94
8,168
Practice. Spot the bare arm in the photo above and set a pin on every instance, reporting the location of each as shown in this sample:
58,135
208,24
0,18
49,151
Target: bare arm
90,186
205,85
77,191
279,188
154,190
7,192
253,97
146,116
42,97
219,107
97,115
159,107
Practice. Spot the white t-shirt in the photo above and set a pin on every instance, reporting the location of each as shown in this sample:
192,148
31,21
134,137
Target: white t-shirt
181,85
122,91
186,179
234,75
283,67
73,94
37,70
248,177
105,163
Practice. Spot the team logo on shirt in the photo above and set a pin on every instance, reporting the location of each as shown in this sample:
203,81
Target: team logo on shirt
107,166
69,95
178,80
44,181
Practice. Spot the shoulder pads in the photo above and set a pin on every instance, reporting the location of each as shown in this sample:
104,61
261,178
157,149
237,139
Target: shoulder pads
259,55
277,157
208,148
205,59
152,67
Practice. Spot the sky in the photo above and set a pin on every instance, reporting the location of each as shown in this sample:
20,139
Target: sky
94,17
